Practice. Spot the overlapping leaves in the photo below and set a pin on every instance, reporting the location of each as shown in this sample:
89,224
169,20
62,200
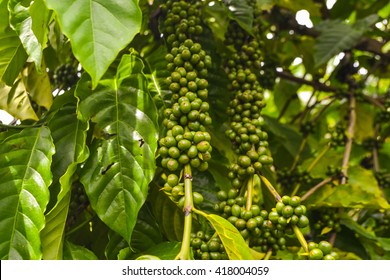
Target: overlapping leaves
121,164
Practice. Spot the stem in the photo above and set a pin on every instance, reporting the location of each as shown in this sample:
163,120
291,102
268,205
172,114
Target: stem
271,188
332,238
350,135
184,253
375,156
268,255
316,187
316,85
298,155
249,193
300,238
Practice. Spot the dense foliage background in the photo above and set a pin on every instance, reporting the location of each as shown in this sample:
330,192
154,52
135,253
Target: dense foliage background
90,165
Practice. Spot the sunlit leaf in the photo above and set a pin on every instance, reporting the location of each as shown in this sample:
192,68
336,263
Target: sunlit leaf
235,246
25,160
12,54
121,165
98,30
23,21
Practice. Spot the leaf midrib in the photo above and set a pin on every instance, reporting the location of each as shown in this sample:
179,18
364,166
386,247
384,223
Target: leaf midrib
18,204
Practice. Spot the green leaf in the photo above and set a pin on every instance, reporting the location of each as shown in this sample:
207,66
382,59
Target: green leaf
25,160
15,100
146,232
77,252
362,191
116,243
285,142
234,244
242,13
121,165
168,215
164,251
22,22
69,133
285,93
337,36
298,5
12,54
38,86
52,236
377,247
217,19
98,30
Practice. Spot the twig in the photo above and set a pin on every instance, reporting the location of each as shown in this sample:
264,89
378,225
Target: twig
316,187
316,85
375,156
350,136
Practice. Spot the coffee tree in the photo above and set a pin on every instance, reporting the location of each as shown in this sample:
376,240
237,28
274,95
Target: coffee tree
195,130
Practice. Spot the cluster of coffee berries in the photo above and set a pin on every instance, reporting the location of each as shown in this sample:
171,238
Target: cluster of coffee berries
175,190
186,140
78,202
206,247
267,75
65,76
307,128
321,251
248,138
290,178
384,115
289,211
337,136
383,179
252,223
326,220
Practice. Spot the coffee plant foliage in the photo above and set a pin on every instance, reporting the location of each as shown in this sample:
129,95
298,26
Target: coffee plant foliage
195,129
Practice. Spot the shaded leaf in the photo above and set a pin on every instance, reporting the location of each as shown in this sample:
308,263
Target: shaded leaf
98,30
235,246
241,12
168,215
337,36
52,235
25,160
15,100
77,252
121,165
116,243
285,142
164,251
69,133
285,93
377,247
38,86
298,5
